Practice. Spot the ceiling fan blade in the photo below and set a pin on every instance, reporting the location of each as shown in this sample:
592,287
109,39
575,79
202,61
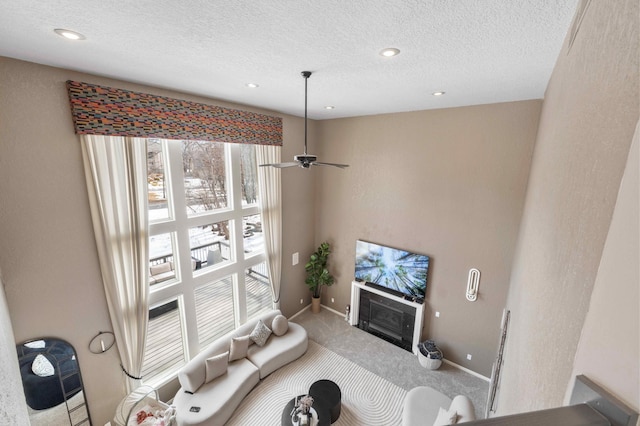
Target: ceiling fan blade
319,163
282,165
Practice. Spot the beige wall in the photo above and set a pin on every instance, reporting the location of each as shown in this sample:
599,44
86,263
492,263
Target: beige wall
611,332
47,250
448,183
586,127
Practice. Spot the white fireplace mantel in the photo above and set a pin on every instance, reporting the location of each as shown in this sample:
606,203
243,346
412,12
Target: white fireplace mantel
357,287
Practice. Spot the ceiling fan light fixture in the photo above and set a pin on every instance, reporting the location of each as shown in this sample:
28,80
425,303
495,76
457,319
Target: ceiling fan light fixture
389,52
68,34
305,160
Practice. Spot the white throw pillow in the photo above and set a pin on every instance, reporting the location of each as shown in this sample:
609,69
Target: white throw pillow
260,333
42,367
239,347
446,417
216,366
280,325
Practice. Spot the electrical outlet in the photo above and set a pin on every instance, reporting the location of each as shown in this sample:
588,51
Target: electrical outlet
301,301
469,357
437,314
333,300
294,259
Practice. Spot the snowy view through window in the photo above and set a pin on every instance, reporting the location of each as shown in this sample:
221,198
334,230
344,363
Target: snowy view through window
205,188
207,270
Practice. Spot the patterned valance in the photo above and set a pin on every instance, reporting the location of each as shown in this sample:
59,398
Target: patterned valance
100,110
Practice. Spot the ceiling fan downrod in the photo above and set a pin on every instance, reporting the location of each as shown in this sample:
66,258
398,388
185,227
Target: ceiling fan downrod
306,75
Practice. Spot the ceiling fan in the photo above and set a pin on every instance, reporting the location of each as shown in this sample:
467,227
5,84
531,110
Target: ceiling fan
305,160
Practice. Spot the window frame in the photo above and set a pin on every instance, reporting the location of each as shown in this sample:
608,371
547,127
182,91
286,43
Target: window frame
187,280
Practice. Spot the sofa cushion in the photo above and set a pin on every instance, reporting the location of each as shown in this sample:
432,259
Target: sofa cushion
260,333
239,346
280,325
446,417
192,376
279,351
216,366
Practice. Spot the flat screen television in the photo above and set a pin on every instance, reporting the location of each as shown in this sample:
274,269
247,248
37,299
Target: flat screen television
398,271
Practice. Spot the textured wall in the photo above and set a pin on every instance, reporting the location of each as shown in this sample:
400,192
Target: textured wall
13,408
47,250
586,127
448,183
609,348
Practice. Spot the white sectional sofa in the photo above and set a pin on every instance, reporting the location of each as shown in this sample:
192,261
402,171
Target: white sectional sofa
422,408
216,380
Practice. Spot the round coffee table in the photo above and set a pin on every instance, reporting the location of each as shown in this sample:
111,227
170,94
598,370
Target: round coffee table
328,397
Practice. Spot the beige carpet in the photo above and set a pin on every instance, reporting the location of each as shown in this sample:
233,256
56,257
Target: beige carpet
367,399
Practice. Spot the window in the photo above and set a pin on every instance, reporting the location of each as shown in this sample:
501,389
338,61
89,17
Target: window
207,272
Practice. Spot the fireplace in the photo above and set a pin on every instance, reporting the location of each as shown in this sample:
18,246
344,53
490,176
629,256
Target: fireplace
387,318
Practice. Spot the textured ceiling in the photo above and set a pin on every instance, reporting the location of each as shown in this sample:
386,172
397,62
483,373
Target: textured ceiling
477,51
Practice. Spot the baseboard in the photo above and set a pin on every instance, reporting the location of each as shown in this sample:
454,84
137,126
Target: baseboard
306,308
466,370
332,310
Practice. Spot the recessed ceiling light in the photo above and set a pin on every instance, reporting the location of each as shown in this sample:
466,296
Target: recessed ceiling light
253,85
438,93
68,34
329,107
389,52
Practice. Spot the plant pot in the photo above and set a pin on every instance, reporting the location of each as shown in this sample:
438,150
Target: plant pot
315,305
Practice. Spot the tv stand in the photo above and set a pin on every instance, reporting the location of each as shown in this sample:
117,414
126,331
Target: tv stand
398,309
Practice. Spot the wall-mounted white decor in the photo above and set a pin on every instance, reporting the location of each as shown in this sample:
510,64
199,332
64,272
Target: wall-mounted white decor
473,282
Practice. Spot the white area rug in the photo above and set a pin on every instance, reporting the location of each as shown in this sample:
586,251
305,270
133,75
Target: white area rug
367,399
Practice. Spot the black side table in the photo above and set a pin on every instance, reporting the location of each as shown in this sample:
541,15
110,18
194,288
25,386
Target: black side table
327,395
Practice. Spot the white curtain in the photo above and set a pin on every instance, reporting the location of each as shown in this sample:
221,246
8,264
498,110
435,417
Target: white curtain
116,173
271,209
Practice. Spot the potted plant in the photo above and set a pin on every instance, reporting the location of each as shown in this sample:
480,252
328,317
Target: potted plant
318,275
